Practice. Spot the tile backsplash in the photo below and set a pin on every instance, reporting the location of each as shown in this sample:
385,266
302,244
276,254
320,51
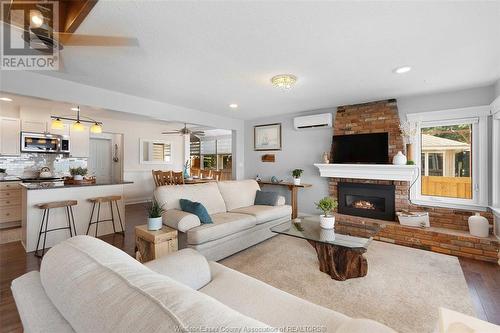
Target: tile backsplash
28,164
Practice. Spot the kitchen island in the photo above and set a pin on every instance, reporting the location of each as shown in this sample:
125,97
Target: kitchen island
33,194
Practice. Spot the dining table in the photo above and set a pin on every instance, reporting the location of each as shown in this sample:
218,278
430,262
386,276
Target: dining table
191,181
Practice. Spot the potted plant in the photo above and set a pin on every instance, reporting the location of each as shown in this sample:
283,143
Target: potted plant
327,205
78,173
155,213
296,176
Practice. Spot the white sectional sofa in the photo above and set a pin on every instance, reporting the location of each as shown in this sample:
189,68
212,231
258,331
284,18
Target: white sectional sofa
238,223
87,285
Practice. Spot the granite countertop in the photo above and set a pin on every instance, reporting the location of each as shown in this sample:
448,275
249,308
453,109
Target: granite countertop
9,179
34,186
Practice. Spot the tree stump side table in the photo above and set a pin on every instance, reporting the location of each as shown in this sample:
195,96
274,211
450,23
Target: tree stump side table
150,245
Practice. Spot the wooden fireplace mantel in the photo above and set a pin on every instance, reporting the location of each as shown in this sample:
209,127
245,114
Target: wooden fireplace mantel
369,171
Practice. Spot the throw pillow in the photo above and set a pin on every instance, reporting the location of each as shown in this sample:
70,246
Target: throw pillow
197,209
266,198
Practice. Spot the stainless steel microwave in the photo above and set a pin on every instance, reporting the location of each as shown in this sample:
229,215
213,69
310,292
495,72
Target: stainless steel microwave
44,143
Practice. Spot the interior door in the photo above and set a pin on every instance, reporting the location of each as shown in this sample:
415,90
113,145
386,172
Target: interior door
99,161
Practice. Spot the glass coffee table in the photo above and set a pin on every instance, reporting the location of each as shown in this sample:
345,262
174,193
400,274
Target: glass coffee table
340,250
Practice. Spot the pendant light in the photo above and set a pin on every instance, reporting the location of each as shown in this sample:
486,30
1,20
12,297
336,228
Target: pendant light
96,128
78,126
57,124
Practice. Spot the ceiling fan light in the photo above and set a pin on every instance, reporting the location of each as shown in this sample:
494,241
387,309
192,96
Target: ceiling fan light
36,19
57,124
96,128
78,126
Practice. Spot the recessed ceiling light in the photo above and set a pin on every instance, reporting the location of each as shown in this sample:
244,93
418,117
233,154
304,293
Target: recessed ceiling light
5,99
75,109
402,69
233,106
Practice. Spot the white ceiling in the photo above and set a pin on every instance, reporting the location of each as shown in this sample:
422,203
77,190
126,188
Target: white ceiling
206,55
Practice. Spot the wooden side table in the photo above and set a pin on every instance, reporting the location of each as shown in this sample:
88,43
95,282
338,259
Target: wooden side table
294,193
151,245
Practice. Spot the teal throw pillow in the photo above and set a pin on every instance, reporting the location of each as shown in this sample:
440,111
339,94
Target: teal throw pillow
197,209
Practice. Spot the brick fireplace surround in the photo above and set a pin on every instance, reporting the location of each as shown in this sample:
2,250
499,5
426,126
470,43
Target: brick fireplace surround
449,228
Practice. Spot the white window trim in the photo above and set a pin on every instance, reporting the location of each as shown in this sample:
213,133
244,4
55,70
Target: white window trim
495,167
478,117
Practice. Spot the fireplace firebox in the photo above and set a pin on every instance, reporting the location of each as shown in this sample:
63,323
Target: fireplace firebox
367,200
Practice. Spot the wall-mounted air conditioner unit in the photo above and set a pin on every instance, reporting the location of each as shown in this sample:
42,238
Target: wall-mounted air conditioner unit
314,121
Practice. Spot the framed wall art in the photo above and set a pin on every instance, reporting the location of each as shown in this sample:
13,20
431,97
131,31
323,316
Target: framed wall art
267,137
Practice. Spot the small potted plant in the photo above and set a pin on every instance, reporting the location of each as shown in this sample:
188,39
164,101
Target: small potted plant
78,173
327,205
296,176
155,213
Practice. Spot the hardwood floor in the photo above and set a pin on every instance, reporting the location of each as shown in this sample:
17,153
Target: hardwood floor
483,279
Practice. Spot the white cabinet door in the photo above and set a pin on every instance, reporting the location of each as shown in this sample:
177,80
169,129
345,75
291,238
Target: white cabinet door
10,136
36,126
79,143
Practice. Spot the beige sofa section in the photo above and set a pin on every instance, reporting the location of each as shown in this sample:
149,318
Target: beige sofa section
87,285
237,222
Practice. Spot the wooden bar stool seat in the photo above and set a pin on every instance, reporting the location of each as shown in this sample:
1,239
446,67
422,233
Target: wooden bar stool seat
97,201
68,204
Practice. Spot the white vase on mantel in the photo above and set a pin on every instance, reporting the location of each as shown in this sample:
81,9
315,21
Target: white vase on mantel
399,159
479,226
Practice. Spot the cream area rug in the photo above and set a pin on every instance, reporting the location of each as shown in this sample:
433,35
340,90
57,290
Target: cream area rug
403,288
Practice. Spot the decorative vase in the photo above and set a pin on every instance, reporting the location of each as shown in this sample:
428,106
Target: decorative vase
77,177
327,235
326,160
409,151
154,223
296,181
399,159
327,222
479,225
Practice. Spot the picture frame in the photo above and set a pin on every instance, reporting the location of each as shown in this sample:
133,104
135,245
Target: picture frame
267,137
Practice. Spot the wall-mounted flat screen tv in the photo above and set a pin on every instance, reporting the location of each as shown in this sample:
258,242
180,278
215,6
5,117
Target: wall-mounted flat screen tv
370,148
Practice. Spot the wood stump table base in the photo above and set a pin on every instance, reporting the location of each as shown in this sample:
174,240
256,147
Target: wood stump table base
339,262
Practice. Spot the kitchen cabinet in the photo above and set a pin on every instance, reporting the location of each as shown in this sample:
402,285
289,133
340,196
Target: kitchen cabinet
79,142
35,126
10,136
10,204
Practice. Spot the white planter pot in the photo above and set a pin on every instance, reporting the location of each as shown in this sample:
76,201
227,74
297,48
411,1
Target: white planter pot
154,223
479,226
296,181
327,222
77,177
399,159
327,235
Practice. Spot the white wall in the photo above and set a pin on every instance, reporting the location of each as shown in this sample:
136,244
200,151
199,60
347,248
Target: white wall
47,87
497,89
300,149
445,100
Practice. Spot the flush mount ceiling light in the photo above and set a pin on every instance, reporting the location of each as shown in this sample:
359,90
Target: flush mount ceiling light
5,99
77,125
233,106
402,69
284,81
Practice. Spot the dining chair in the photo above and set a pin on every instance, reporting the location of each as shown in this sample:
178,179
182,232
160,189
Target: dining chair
217,175
177,178
167,177
195,172
206,173
157,177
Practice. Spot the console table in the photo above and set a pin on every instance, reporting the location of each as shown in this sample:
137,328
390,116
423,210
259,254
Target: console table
294,189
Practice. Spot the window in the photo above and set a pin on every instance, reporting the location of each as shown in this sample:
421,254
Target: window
445,159
452,148
215,153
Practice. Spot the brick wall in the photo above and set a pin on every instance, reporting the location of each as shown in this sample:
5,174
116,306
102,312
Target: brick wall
373,117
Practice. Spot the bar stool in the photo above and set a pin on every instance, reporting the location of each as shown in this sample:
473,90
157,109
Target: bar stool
68,204
97,201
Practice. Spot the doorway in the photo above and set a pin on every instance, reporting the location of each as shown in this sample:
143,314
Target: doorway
100,157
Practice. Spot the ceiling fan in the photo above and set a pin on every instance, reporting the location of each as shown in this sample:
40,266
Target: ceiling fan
186,131
36,24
